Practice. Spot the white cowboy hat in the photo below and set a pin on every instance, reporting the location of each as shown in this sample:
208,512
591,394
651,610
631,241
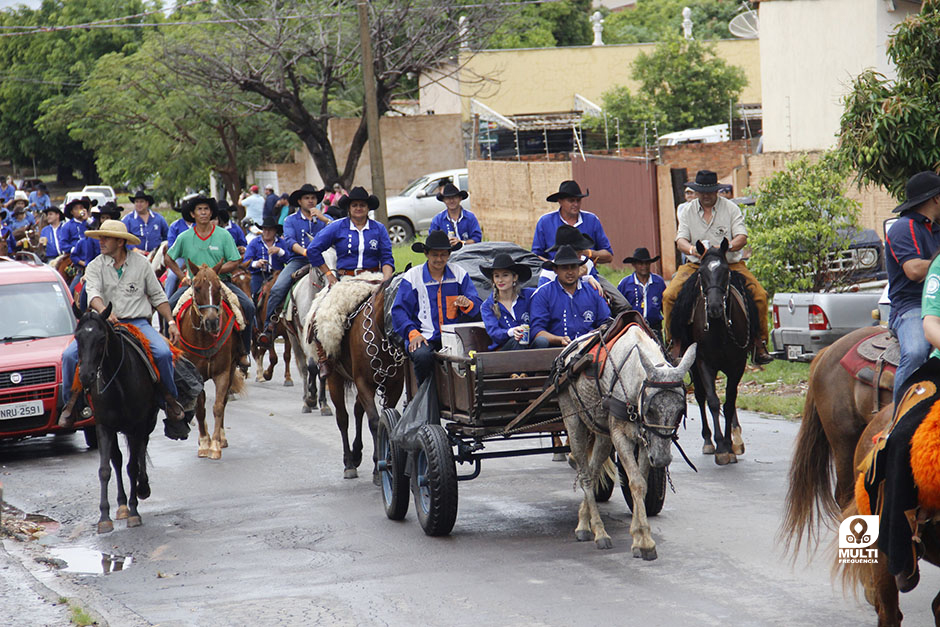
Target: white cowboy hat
113,228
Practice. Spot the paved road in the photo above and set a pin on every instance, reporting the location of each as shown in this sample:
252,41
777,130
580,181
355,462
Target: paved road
272,535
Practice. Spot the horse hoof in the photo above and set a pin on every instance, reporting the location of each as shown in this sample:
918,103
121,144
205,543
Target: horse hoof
268,375
582,535
224,443
603,543
134,521
203,452
143,491
105,526
376,478
708,449
326,411
306,410
738,449
737,442
571,460
648,554
558,457
258,379
350,473
725,458
288,383
122,513
215,453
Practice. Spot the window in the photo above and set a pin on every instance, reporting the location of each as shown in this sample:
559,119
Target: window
34,310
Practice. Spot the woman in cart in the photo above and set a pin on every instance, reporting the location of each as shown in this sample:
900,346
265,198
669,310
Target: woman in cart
506,312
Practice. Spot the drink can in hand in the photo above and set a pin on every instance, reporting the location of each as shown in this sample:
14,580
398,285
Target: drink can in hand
525,334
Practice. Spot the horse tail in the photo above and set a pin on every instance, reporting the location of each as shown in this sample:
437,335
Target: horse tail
608,473
810,501
853,575
237,382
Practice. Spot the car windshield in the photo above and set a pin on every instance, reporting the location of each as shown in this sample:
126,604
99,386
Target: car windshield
34,310
104,191
413,185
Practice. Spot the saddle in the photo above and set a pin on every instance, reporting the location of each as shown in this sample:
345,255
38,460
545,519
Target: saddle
589,355
136,341
331,308
874,359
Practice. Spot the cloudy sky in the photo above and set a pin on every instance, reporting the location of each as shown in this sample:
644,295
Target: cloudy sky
12,3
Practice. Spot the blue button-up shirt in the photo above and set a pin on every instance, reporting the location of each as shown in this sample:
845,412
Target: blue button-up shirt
422,304
913,236
85,250
497,326
466,227
560,313
355,249
6,193
548,224
179,226
7,234
237,233
71,232
258,250
39,203
299,230
151,233
53,235
647,299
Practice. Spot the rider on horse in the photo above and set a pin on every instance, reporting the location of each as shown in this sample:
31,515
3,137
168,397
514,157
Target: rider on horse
226,222
710,219
265,255
76,210
52,237
151,228
361,245
128,285
459,224
208,244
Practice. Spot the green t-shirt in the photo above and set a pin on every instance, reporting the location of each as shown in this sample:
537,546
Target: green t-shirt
930,301
219,246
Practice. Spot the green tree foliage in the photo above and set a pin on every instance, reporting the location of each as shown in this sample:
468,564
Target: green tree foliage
658,20
562,23
890,127
801,215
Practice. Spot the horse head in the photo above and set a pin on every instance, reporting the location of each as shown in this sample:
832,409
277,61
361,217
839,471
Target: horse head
714,277
207,296
661,404
92,335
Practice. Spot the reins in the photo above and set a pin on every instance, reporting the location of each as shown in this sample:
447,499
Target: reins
726,317
107,343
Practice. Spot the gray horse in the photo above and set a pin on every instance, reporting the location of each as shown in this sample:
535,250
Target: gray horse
302,294
635,407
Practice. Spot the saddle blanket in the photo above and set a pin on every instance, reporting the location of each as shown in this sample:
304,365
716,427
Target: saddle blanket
227,295
862,360
331,307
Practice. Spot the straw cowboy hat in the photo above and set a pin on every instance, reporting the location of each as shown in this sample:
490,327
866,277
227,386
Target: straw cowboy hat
113,228
705,181
568,189
451,190
358,193
504,261
437,240
919,189
641,255
566,256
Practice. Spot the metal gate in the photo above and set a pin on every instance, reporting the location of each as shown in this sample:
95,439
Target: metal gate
624,196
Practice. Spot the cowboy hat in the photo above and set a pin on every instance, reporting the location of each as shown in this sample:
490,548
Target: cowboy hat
451,190
437,240
4,214
705,181
305,189
919,189
271,222
566,256
358,193
504,261
641,255
50,208
142,195
110,208
84,201
113,228
568,189
567,235
190,205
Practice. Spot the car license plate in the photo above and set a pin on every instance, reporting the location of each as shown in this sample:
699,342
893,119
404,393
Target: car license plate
794,351
26,409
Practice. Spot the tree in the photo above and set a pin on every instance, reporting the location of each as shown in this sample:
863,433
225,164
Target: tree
658,20
631,116
801,215
890,129
561,23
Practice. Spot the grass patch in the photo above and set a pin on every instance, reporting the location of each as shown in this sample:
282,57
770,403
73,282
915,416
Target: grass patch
404,255
80,617
778,388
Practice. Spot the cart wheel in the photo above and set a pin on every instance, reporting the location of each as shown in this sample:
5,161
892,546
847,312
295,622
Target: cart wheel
655,489
392,467
434,481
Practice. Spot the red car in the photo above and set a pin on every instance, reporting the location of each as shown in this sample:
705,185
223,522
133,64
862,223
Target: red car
36,325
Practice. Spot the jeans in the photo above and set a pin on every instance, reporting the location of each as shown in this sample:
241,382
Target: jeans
512,344
158,346
423,359
915,349
282,285
247,305
172,281
258,279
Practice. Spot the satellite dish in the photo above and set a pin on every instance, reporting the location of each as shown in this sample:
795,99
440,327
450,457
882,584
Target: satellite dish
745,26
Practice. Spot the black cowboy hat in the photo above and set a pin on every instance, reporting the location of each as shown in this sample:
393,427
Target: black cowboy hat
50,208
142,195
84,201
437,240
568,189
641,255
190,205
705,181
4,214
451,190
568,235
919,189
271,223
358,193
504,261
566,256
110,208
305,189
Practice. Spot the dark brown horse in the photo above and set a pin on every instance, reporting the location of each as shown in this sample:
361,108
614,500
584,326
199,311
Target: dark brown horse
209,340
257,351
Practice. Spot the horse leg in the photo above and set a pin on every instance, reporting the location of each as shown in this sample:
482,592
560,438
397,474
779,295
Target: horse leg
321,399
222,387
257,354
338,394
589,463
133,475
288,382
698,388
116,462
731,413
366,400
885,593
106,438
722,439
358,411
201,422
637,470
272,361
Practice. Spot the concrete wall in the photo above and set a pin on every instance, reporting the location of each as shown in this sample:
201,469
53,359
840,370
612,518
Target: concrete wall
411,146
544,80
439,91
806,70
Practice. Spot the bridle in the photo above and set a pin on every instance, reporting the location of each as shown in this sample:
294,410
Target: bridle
725,305
107,341
198,310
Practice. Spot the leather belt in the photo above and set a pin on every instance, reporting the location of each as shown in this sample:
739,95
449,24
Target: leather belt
356,272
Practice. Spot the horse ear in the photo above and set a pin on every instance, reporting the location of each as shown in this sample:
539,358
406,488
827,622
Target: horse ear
107,311
192,267
648,366
725,245
687,360
218,267
700,248
76,310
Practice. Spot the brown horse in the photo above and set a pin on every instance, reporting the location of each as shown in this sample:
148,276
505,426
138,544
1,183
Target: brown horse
209,340
257,351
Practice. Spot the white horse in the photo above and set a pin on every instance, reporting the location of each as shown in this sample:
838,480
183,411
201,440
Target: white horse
635,407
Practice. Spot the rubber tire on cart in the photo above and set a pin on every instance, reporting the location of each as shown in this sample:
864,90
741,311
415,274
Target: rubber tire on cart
394,482
91,437
400,231
655,489
434,481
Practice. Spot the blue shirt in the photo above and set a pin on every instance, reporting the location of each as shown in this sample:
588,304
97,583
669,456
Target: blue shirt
6,193
497,327
559,313
85,250
7,234
19,224
647,299
548,224
422,304
258,250
179,226
237,233
369,248
72,231
151,233
466,227
299,230
913,236
269,201
38,203
53,237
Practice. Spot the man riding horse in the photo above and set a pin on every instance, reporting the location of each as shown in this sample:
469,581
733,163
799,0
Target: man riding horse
126,284
709,219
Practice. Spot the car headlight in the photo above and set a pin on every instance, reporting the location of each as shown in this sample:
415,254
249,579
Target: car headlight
867,257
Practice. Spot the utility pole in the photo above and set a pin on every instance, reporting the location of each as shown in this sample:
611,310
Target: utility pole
372,112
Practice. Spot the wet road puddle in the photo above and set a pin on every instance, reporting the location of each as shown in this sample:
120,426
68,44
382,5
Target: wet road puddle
89,561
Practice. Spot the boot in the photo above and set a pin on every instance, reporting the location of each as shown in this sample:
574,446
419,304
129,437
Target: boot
322,361
761,356
173,409
907,582
66,419
266,337
244,363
